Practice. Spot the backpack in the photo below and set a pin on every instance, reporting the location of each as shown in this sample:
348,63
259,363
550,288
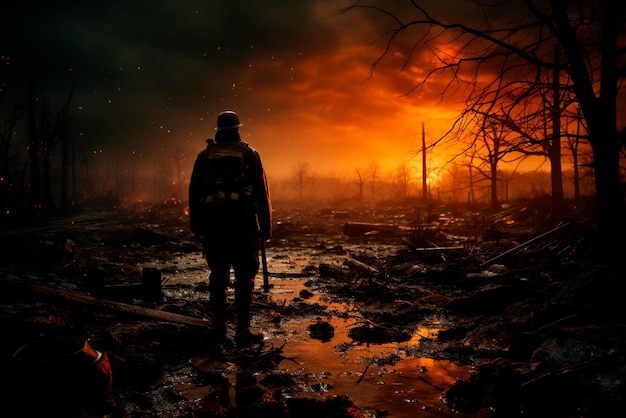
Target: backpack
226,174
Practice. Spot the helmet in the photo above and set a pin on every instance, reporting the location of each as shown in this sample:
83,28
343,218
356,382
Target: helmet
227,120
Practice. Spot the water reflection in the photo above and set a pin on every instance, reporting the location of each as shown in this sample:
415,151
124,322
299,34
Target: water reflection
376,376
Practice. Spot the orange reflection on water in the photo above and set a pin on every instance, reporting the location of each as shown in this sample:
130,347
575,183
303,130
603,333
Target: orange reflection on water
376,376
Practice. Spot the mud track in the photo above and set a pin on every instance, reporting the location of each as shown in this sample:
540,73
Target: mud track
541,325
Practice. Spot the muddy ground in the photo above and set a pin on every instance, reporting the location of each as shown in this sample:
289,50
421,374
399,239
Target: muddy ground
523,300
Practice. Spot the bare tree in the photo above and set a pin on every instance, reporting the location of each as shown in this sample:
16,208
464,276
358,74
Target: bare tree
492,140
45,133
453,182
34,154
372,174
62,133
7,175
402,181
587,33
299,178
535,111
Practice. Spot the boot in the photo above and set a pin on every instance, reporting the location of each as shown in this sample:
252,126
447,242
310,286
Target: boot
245,337
219,342
220,313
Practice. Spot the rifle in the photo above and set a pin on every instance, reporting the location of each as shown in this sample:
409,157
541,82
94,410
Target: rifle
266,278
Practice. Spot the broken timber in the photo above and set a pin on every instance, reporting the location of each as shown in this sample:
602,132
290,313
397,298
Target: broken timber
104,304
438,249
527,243
355,229
360,266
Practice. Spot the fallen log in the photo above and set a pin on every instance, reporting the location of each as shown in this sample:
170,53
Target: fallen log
359,265
80,298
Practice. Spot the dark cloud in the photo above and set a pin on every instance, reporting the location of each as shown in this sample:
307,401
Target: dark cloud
150,75
138,67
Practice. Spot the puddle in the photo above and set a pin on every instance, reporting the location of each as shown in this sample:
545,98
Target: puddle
374,376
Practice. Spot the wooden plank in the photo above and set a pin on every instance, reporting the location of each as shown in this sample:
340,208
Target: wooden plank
359,265
438,249
355,229
83,299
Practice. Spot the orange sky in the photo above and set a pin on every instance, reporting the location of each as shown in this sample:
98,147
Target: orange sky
149,78
331,112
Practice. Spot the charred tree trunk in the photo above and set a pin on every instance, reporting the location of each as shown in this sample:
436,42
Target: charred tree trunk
64,172
494,158
605,143
7,186
556,174
48,143
601,116
33,155
424,170
574,148
495,202
74,173
470,194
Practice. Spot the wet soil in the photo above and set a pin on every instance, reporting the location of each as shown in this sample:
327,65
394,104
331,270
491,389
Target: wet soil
371,312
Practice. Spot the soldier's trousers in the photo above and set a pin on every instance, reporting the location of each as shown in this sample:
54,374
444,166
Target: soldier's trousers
244,261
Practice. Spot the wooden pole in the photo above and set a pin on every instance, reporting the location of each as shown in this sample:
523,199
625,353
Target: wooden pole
424,169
